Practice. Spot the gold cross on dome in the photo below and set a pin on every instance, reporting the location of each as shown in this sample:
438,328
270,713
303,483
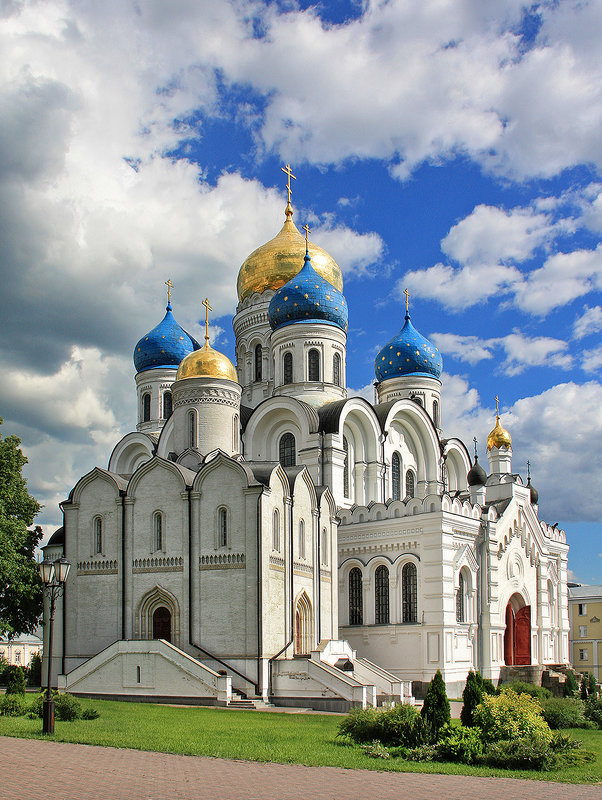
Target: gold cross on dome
497,406
169,285
207,310
407,294
288,172
307,230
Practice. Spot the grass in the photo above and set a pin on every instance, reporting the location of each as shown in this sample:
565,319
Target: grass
259,736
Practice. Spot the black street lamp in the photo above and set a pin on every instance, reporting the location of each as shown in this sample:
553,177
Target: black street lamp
54,575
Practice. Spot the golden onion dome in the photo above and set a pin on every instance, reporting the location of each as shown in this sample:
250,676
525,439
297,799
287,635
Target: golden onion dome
276,262
206,363
499,436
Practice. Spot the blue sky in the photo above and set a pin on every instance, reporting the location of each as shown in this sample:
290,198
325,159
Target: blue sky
450,147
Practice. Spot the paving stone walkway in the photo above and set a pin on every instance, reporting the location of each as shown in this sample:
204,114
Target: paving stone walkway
39,770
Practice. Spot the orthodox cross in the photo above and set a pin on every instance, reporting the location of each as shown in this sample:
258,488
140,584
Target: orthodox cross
287,171
307,230
207,310
497,407
476,454
407,294
528,470
169,285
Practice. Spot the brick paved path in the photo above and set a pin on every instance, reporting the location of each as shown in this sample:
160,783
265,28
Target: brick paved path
38,770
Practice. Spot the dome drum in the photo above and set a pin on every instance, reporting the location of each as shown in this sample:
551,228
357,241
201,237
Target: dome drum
206,415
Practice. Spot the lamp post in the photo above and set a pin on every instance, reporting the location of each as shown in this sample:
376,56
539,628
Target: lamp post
54,575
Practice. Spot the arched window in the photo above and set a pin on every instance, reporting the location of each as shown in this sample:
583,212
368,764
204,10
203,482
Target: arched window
258,362
410,483
460,600
286,450
346,468
276,530
167,405
287,368
146,407
445,477
191,429
356,603
381,596
222,528
436,413
313,365
303,626
324,547
409,593
235,430
301,539
97,535
396,476
336,369
158,531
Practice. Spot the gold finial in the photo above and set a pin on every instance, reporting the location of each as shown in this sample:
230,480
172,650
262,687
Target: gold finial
307,230
169,285
497,406
407,294
288,172
207,310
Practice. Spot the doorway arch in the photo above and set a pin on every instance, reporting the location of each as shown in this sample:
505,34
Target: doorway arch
162,623
158,616
517,636
303,626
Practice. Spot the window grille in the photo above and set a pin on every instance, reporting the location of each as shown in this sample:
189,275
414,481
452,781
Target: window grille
356,605
381,615
409,593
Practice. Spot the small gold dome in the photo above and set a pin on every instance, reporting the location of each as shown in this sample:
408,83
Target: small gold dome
276,262
206,363
499,436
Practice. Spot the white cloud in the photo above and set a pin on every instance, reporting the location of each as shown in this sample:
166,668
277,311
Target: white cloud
367,392
464,348
592,360
590,321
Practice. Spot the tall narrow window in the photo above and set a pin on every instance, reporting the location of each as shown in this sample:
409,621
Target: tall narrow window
146,407
396,476
158,530
409,593
324,547
301,539
460,606
167,405
222,528
97,535
276,530
410,483
191,429
336,369
346,467
356,604
445,477
235,430
258,362
286,450
436,413
381,596
287,368
313,365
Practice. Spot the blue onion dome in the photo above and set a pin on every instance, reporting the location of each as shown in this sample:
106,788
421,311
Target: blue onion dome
164,346
476,475
308,297
408,353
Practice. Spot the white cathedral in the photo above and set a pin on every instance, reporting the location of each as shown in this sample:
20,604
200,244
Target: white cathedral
262,535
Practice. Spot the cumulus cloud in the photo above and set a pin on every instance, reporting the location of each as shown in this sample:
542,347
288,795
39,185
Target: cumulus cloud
590,321
592,360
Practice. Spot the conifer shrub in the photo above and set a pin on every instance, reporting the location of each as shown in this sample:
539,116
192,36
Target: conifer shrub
15,680
510,716
460,744
472,696
524,752
592,685
593,711
13,705
67,708
435,710
401,725
583,689
565,712
520,687
571,684
34,678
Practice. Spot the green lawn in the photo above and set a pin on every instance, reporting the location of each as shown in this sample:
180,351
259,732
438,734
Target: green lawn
258,736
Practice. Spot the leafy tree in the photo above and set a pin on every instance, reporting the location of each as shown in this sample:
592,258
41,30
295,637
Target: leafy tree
472,696
436,709
20,584
15,680
35,671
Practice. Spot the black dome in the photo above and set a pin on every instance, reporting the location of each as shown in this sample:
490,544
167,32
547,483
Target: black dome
477,475
534,493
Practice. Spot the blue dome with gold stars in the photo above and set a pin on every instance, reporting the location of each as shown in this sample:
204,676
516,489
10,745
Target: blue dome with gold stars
408,353
308,297
164,346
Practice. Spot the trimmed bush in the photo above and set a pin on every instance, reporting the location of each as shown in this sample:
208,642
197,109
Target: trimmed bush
524,752
435,709
400,725
565,712
66,707
460,744
13,705
511,716
531,689
15,680
472,696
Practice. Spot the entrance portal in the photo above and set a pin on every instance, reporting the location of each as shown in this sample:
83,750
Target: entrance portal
517,636
162,624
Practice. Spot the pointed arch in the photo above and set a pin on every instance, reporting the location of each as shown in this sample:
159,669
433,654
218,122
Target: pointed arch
303,625
151,603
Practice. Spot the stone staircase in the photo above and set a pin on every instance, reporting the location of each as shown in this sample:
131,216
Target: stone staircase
241,702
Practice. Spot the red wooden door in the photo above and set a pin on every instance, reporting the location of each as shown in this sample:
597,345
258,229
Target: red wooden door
509,637
162,624
522,636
